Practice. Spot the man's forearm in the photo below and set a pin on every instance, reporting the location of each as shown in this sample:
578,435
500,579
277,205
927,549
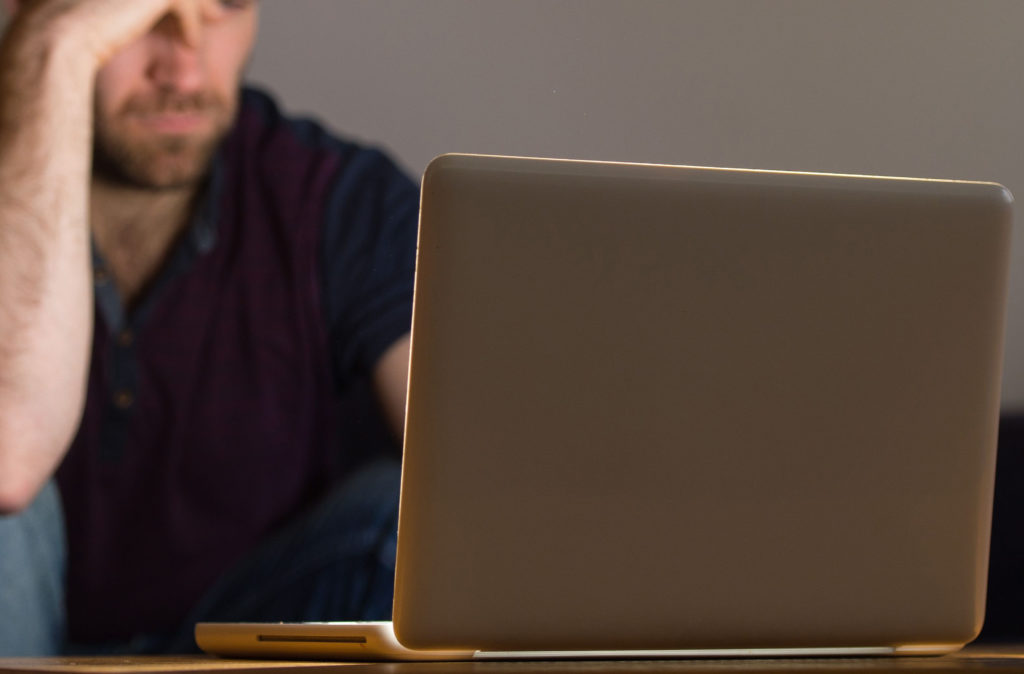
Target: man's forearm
49,60
45,293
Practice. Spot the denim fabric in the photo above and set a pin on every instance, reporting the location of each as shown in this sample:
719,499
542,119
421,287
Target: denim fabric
32,560
335,563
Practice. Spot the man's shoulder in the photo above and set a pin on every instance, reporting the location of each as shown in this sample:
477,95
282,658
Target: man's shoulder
283,143
261,121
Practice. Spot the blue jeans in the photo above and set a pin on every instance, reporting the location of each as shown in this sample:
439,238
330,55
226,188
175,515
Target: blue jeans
32,559
336,562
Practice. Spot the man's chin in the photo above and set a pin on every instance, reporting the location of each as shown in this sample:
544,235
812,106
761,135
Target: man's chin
170,177
153,170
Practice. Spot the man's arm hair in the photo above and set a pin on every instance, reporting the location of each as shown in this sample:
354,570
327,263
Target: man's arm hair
45,299
49,58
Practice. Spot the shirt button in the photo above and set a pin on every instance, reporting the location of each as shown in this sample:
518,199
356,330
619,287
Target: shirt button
125,338
124,399
100,276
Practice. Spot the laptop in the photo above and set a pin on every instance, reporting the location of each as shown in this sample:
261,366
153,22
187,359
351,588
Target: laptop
663,411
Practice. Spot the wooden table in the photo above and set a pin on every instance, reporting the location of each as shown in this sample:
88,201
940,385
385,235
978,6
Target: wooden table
972,659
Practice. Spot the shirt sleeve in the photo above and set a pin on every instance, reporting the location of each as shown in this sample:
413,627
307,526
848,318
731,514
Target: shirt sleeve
369,259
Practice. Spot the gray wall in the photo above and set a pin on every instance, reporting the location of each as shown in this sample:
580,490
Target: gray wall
930,88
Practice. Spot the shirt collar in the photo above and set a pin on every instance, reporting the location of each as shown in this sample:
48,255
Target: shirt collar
199,239
202,234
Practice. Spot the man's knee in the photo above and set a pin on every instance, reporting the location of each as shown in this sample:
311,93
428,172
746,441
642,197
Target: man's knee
364,516
334,563
369,494
32,618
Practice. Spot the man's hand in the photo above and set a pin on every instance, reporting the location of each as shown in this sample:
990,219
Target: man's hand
98,29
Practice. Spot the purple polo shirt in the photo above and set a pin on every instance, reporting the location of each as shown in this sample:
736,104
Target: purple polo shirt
236,391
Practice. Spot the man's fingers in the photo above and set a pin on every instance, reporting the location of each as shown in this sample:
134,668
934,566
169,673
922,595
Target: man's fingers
188,13
102,27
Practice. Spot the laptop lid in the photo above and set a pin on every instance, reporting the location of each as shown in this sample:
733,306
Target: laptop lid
659,407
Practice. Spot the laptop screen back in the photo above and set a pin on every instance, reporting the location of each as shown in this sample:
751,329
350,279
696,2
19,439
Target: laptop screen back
663,407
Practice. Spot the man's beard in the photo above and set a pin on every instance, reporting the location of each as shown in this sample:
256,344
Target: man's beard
159,161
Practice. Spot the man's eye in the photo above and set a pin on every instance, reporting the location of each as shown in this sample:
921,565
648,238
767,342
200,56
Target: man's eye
236,4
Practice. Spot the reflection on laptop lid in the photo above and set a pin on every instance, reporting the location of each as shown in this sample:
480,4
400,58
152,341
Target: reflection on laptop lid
659,407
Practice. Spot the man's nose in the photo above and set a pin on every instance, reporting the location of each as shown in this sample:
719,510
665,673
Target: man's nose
175,63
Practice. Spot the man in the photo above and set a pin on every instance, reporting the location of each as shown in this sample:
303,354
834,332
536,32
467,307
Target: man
193,292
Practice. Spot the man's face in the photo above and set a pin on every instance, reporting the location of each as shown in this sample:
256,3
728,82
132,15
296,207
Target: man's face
162,106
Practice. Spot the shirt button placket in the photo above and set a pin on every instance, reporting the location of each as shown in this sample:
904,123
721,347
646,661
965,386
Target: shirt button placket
124,395
123,370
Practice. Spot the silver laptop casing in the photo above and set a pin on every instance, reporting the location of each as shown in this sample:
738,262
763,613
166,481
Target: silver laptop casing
658,407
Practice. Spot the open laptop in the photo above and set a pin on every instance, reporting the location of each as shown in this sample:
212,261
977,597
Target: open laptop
660,410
